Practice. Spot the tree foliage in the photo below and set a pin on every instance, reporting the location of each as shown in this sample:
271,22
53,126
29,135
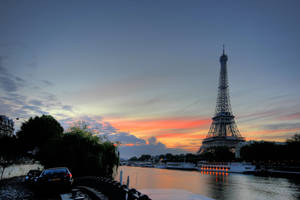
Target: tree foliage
189,157
38,130
260,151
82,152
9,152
271,151
220,154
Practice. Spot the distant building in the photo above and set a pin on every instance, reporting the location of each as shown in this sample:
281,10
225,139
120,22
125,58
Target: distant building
6,126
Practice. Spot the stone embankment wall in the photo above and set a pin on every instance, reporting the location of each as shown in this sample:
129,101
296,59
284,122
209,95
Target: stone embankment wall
18,170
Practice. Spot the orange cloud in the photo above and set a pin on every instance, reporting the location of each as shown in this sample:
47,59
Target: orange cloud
169,131
128,145
146,125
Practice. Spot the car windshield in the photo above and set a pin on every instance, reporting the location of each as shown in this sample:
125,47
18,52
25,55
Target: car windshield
33,172
55,171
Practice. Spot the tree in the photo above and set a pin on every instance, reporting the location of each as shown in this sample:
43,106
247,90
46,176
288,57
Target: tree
134,158
262,151
293,148
38,130
294,139
9,152
82,152
145,157
220,154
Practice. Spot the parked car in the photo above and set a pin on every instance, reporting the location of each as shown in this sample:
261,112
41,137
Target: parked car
32,176
59,178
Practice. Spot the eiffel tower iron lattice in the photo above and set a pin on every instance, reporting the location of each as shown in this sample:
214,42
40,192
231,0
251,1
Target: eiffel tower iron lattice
223,130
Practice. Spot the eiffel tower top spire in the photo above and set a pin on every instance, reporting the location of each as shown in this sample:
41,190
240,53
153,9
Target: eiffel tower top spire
223,49
223,57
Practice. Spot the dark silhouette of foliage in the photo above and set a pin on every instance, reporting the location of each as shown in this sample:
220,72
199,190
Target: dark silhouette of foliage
38,130
260,151
144,157
9,152
219,154
80,151
293,148
168,158
271,151
294,139
134,158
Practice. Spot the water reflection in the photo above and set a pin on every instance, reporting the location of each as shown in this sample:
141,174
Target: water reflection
214,185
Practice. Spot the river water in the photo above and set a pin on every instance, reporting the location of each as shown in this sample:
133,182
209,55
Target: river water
165,184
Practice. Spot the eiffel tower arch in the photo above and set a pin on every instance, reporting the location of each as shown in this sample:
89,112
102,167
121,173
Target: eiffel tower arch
223,130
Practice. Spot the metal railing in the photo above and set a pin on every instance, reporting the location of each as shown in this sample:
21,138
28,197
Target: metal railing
112,189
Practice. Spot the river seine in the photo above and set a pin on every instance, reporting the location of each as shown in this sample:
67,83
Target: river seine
164,184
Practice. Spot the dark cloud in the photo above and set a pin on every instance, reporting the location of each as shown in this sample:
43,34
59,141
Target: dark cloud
4,108
60,115
130,144
277,136
279,126
50,97
48,83
15,99
134,146
2,68
67,108
20,80
9,82
35,109
17,105
35,102
108,128
126,138
152,140
152,147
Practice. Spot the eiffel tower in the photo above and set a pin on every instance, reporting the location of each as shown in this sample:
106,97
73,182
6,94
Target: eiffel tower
223,130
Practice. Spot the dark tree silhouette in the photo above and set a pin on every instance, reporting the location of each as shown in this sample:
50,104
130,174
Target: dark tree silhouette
9,152
219,154
38,130
80,151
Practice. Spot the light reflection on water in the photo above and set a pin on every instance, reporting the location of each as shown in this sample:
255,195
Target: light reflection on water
212,185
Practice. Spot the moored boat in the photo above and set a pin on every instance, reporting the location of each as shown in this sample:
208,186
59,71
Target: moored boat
234,167
160,165
181,165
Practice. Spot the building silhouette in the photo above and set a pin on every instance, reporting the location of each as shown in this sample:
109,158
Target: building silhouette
6,126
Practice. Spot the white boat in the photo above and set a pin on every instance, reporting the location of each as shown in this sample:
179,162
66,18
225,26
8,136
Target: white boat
147,164
233,167
181,165
160,166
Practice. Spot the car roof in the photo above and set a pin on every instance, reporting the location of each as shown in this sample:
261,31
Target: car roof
34,170
57,168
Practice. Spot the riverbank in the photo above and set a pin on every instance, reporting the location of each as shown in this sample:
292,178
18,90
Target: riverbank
278,173
17,170
16,189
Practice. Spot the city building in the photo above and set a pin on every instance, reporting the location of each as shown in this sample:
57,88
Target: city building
6,126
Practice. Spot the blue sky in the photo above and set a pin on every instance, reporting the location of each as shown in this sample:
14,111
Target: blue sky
149,69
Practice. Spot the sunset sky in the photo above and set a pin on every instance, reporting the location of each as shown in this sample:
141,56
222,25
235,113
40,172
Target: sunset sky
145,72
